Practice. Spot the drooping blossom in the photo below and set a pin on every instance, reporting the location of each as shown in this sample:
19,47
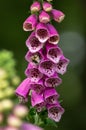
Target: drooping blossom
47,67
33,73
61,66
38,87
42,32
55,112
57,15
53,34
37,101
54,53
53,81
33,44
30,23
34,57
23,89
50,96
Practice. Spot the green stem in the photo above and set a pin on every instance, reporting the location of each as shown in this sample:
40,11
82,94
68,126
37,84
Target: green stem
36,117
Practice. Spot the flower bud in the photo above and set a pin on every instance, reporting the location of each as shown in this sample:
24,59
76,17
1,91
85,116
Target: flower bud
44,17
35,7
47,6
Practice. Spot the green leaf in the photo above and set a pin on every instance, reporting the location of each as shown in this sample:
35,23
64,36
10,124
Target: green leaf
32,111
51,122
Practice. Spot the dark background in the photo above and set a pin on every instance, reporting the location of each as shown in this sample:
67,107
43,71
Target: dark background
73,43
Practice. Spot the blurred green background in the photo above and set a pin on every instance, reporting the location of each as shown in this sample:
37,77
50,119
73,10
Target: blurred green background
73,43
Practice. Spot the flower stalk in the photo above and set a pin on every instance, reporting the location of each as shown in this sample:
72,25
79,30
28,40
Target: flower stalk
46,62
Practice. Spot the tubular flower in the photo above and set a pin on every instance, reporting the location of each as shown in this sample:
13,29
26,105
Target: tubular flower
53,81
61,66
30,23
42,32
53,34
37,101
33,43
47,67
57,15
50,96
33,73
23,89
54,53
46,61
55,112
34,57
38,87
